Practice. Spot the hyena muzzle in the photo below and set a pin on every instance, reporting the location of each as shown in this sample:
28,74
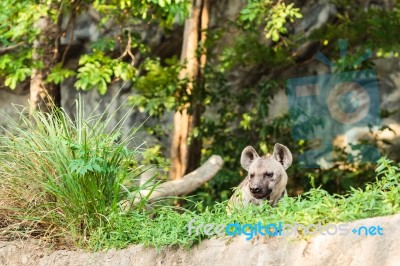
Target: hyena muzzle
266,178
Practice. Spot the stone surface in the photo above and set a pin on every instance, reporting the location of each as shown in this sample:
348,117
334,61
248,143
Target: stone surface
319,250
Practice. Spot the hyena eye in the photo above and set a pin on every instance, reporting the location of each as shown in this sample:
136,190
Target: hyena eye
268,174
251,175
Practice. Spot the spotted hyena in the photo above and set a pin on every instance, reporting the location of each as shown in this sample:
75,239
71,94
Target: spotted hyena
266,178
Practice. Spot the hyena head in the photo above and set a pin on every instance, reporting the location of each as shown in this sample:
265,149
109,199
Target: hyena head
267,176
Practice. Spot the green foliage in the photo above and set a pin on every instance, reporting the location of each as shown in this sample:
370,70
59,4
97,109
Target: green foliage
20,75
160,88
248,51
97,70
315,206
163,11
372,28
64,175
280,15
17,67
153,156
273,16
103,44
58,74
16,20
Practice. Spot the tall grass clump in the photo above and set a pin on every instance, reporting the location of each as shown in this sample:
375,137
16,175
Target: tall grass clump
63,175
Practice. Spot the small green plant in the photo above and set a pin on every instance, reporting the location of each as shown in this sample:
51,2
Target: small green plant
65,175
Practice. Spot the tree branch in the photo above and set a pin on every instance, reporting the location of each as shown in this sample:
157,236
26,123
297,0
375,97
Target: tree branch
189,182
10,48
128,50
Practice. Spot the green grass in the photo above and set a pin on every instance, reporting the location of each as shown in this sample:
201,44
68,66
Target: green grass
64,176
168,227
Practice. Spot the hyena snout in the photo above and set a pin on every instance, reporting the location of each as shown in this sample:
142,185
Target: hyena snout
259,190
256,190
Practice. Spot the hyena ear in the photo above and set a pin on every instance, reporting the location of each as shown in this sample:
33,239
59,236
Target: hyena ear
248,155
283,155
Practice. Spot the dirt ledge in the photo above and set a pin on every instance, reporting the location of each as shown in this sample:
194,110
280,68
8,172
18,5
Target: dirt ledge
319,250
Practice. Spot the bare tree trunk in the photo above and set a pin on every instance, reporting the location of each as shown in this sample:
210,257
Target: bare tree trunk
194,153
44,96
185,158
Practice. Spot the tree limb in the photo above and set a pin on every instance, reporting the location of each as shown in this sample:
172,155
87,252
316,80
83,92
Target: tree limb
10,48
189,182
128,50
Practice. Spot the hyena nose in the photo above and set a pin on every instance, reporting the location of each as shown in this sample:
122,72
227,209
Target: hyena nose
255,190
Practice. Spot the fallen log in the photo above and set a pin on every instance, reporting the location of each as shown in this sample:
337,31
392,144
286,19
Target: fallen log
187,183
